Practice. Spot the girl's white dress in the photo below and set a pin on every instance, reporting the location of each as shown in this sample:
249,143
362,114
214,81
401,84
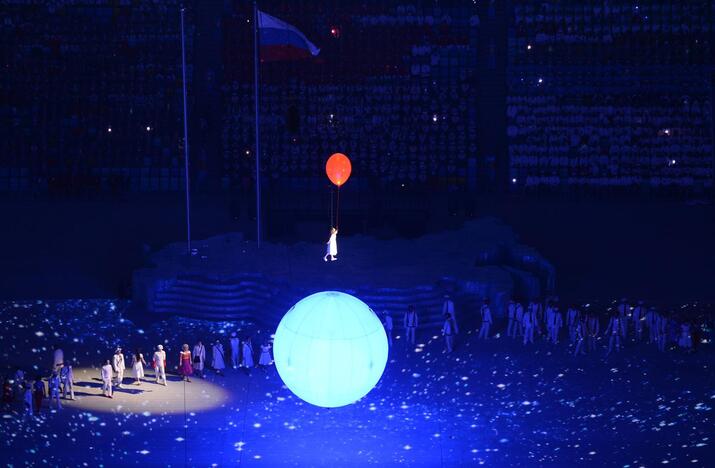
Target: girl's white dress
333,244
138,367
265,359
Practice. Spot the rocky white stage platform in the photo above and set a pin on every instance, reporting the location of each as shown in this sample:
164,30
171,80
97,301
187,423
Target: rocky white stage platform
228,277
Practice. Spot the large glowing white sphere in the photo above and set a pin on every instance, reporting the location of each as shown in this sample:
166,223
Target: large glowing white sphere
330,349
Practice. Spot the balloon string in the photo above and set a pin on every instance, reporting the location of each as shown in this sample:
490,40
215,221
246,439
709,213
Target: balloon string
331,206
337,210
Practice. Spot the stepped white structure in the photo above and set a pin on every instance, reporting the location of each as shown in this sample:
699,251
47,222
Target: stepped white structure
230,278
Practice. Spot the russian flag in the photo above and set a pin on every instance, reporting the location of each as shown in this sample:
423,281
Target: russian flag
279,40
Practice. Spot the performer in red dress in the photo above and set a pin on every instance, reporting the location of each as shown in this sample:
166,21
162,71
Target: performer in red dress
185,367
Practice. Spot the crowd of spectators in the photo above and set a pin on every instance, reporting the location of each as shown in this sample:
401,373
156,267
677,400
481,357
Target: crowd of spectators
600,95
597,32
92,94
610,96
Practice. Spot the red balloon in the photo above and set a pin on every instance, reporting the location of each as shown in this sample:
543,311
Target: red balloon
338,169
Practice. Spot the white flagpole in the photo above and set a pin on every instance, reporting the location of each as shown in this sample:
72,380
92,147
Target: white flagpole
186,137
258,135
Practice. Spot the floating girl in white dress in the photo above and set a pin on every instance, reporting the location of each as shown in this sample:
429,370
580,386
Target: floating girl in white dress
332,249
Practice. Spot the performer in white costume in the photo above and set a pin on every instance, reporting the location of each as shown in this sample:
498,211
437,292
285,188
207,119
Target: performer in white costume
218,363
449,330
411,322
448,308
67,380
199,359
387,323
247,349
159,363
528,325
54,387
107,372
486,320
639,313
511,317
235,342
119,366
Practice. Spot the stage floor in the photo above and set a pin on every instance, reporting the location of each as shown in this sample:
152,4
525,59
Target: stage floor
496,403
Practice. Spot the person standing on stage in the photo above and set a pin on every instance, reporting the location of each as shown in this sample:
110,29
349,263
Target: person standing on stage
67,380
106,373
639,314
235,343
247,360
623,313
218,363
159,362
387,323
519,325
38,394
27,398
185,365
199,359
449,330
54,385
265,359
614,330
486,314
593,328
138,364
119,366
411,322
528,325
448,308
511,317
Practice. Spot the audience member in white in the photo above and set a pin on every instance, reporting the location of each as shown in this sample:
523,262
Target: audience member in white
199,359
411,322
486,315
218,362
119,366
235,343
138,364
107,372
159,363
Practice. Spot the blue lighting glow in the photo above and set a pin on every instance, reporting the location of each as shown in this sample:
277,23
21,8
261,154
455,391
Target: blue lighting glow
330,349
